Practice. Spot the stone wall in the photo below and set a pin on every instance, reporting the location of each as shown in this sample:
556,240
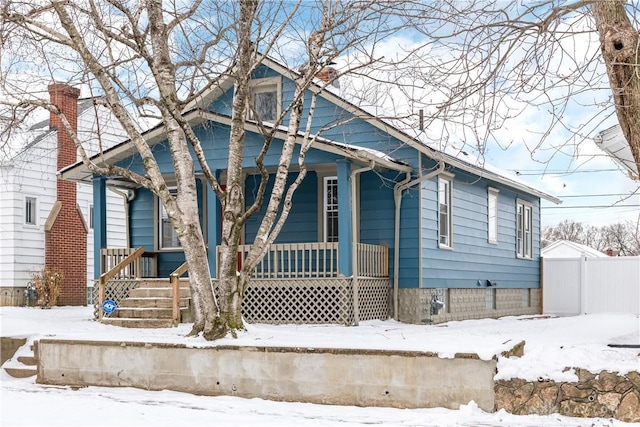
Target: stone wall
464,304
603,395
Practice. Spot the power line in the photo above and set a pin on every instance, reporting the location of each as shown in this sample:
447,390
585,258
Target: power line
590,207
597,195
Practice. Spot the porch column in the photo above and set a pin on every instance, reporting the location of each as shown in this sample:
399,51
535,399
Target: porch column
99,222
213,225
345,239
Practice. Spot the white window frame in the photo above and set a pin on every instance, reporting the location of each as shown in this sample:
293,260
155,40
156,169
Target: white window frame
492,214
90,217
329,207
445,198
524,229
162,216
30,211
268,84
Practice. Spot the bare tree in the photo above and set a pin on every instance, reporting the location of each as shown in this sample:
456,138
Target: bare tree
487,62
622,237
153,60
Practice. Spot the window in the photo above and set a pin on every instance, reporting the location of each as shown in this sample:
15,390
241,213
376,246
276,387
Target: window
524,230
330,209
265,99
168,236
90,217
444,212
490,299
30,211
492,215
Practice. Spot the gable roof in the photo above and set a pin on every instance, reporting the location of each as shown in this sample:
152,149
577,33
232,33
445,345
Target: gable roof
225,82
569,249
23,140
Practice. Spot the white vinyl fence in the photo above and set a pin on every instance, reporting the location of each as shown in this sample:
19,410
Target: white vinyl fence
585,285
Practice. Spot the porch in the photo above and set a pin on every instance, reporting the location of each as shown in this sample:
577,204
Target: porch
294,283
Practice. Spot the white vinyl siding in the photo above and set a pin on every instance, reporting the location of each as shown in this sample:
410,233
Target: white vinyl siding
492,215
524,230
444,212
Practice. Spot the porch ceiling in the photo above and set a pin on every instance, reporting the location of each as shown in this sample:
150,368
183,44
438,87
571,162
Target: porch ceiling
79,172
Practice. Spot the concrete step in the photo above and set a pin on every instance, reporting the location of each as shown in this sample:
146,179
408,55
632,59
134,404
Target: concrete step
25,372
160,283
152,303
157,293
143,313
28,360
127,322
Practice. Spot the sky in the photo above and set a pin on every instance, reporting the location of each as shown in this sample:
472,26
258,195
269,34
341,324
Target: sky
594,190
551,345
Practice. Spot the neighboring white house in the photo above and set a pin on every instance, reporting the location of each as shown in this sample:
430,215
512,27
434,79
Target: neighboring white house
568,249
28,192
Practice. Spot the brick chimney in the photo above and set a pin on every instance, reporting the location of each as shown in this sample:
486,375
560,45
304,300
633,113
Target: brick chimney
65,229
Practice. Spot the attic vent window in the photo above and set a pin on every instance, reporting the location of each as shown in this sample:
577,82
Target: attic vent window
266,99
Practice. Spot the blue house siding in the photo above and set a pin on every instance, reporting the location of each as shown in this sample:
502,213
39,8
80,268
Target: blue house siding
302,223
472,257
144,229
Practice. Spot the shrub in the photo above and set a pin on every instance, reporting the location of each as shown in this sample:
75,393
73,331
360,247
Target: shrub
47,286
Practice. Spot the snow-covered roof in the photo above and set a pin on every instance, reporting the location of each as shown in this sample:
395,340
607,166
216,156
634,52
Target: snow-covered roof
613,142
569,249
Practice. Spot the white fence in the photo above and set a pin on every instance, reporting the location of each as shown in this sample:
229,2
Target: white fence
584,285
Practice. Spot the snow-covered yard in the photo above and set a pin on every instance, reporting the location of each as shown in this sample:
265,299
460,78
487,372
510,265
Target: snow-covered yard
551,345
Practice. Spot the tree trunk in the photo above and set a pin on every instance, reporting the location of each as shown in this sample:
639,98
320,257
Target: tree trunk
619,44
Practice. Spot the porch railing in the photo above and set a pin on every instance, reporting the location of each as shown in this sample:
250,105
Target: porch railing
145,266
127,268
373,260
174,278
313,261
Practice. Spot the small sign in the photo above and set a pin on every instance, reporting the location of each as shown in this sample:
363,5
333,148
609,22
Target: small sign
108,306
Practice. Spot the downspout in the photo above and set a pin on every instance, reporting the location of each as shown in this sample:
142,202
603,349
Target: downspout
354,243
397,197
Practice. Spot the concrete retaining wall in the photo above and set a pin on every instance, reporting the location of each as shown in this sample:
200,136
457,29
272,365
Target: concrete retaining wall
401,379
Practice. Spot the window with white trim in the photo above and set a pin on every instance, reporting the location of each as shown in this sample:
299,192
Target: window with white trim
30,210
330,208
492,214
444,212
168,236
265,99
524,229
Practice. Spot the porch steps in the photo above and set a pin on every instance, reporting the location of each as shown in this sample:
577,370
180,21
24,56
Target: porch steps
150,305
25,364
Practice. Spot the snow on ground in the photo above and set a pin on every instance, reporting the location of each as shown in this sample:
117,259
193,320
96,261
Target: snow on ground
551,345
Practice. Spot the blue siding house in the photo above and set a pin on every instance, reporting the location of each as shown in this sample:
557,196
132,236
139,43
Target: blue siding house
383,224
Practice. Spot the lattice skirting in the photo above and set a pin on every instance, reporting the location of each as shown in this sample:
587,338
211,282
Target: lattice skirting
314,301
115,290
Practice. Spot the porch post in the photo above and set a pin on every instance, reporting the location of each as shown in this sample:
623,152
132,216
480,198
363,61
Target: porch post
345,239
99,222
213,225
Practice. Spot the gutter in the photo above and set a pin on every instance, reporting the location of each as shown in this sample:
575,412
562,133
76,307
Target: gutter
354,243
397,197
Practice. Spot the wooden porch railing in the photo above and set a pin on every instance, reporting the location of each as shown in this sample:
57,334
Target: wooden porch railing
313,260
147,265
373,260
175,292
127,268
